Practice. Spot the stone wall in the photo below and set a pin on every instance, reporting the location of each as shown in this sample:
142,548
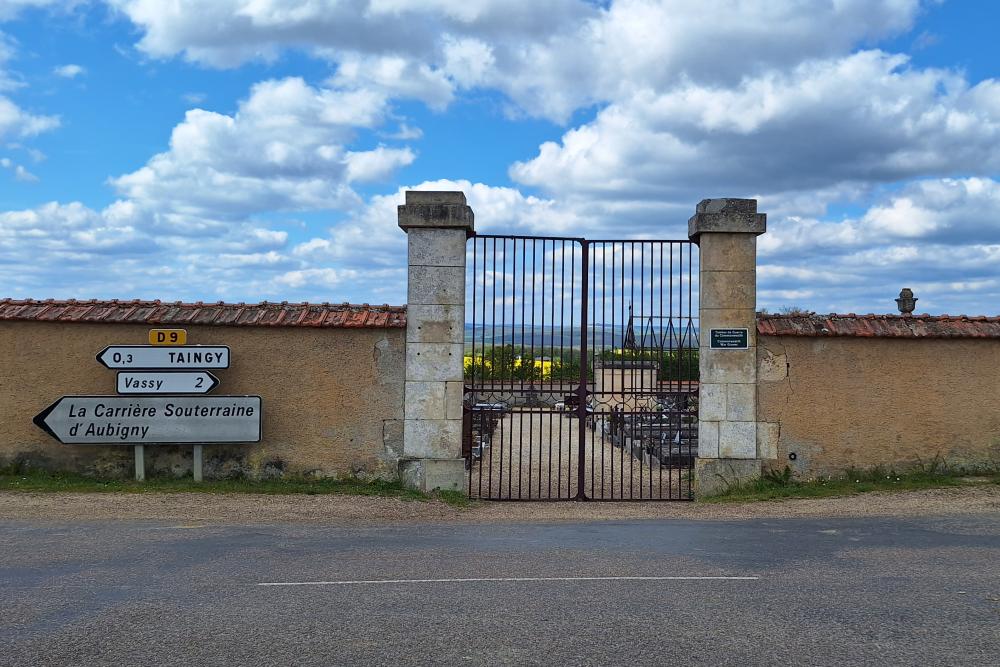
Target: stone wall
332,398
826,404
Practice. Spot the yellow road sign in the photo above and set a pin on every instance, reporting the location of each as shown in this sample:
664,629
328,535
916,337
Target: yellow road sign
168,336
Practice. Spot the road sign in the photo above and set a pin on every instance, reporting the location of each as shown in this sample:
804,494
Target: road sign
168,382
148,357
729,339
152,420
168,336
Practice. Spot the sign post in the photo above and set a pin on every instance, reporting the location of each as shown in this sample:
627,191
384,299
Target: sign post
140,463
196,459
161,400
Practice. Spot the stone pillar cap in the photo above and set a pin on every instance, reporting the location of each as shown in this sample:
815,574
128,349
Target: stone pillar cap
726,216
427,209
435,197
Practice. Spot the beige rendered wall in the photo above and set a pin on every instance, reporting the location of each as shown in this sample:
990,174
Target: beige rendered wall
856,402
624,387
332,398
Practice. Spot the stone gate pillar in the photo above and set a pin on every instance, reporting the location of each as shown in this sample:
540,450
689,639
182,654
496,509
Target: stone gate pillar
437,225
726,232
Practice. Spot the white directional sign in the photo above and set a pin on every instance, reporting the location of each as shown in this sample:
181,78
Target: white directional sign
151,420
164,357
177,382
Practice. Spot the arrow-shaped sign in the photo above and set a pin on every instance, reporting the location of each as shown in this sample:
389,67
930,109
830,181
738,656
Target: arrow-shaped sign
151,420
182,382
176,357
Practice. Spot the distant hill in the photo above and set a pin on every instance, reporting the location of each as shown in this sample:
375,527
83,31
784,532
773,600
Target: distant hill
569,337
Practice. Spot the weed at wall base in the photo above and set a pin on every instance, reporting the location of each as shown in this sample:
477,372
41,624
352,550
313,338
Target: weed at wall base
40,481
775,484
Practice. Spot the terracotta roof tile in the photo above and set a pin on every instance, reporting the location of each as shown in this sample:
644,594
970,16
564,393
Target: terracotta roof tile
879,326
217,314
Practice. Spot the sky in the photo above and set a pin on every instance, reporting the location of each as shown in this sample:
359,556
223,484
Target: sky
248,150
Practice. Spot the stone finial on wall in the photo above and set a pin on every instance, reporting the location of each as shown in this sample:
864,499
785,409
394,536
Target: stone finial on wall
906,301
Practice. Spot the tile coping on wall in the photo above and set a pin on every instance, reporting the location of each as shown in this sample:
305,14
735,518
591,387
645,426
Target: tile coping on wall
263,314
879,326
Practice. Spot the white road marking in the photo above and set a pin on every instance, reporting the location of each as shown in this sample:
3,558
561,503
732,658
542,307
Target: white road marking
355,582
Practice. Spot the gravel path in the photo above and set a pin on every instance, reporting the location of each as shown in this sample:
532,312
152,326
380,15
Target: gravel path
198,508
535,455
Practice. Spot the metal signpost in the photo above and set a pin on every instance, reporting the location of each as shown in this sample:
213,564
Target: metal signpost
160,403
729,339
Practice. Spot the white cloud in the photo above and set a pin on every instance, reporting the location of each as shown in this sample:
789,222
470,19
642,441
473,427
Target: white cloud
7,53
864,118
370,235
9,9
366,252
376,164
550,57
314,278
16,122
394,76
640,45
285,149
22,174
468,60
857,264
66,232
404,133
122,251
69,71
935,211
194,209
224,33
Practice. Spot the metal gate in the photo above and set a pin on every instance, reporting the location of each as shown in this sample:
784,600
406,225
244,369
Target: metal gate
581,369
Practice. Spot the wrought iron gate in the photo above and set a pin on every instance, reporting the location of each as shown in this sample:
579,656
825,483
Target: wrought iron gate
581,367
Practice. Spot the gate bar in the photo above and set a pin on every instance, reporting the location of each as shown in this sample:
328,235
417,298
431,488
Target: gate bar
584,375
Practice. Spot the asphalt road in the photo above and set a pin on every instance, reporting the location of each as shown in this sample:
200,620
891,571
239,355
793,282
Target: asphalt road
819,592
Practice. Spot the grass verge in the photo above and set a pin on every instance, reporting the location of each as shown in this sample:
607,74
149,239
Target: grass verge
68,482
778,485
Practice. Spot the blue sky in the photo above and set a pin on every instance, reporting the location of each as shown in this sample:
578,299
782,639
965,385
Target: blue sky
868,130
123,109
